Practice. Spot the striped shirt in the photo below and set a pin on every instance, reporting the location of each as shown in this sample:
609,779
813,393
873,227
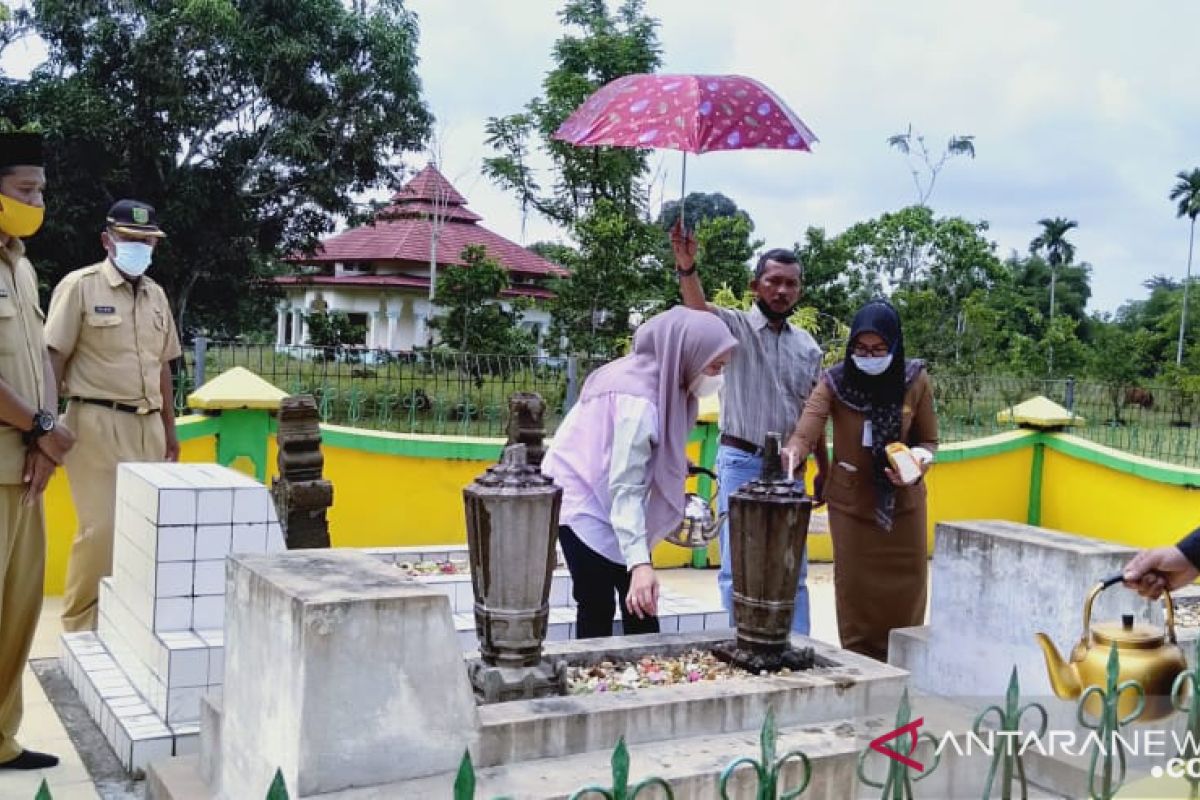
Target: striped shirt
768,378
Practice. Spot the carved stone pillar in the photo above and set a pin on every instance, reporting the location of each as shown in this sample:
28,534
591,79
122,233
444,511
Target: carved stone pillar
302,496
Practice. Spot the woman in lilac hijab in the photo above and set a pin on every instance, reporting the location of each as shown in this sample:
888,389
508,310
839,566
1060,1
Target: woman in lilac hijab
621,457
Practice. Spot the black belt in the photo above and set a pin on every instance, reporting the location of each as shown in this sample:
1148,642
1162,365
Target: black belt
114,405
740,444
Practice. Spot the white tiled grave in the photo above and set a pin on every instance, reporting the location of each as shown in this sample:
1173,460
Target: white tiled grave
678,613
159,645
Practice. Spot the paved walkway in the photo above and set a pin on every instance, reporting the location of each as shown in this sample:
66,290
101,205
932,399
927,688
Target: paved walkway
42,729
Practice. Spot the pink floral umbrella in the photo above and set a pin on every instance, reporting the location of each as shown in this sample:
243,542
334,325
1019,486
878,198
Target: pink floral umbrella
692,113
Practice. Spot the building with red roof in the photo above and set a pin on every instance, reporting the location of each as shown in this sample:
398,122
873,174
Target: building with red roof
379,273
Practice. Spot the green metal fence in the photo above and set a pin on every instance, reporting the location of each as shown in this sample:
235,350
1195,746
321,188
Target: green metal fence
466,394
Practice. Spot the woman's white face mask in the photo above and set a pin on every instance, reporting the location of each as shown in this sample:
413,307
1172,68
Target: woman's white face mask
873,365
706,385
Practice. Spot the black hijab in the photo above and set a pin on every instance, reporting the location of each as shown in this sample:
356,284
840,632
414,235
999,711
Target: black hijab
879,397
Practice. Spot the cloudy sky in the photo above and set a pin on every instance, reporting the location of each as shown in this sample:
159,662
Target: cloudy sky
1082,109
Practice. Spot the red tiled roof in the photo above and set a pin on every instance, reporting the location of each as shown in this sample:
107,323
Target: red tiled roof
408,240
431,185
422,209
403,232
394,281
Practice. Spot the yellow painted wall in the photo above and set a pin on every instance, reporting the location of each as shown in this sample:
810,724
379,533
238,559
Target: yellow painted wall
389,500
994,487
1100,502
60,513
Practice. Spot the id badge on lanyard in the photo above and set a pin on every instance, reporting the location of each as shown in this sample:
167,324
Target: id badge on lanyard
868,439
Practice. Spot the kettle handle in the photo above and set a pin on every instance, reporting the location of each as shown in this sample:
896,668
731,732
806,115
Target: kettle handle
1113,580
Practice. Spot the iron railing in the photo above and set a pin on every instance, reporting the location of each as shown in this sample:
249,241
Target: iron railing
901,774
438,392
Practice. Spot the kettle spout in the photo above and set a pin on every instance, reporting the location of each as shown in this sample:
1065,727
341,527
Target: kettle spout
1063,677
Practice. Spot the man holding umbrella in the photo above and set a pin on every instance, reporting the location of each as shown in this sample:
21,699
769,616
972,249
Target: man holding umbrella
768,380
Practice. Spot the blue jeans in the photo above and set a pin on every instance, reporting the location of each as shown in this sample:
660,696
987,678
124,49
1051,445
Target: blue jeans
736,468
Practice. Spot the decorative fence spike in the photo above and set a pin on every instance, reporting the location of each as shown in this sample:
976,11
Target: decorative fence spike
768,769
1107,726
897,782
464,781
278,790
620,789
1009,725
1185,696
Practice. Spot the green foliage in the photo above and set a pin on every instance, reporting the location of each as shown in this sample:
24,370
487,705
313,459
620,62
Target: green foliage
698,206
250,126
1186,193
611,276
475,321
598,47
334,330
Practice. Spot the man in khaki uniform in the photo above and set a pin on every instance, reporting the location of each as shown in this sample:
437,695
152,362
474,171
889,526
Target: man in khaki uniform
111,338
32,444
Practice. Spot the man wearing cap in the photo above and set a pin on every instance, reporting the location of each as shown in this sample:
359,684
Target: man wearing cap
32,444
111,338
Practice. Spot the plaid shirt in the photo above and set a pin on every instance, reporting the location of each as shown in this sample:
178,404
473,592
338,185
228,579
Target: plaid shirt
769,377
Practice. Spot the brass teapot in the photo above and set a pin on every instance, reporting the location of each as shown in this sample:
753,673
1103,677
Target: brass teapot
701,523
1147,654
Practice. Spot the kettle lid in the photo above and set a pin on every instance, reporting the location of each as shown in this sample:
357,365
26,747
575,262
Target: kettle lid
1127,634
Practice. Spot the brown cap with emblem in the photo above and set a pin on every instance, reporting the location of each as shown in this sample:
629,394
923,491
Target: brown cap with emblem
134,218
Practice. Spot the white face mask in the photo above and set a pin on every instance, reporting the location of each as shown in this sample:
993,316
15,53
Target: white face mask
873,365
705,385
133,258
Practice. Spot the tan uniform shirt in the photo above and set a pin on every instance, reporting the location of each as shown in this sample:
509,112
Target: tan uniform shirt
22,349
849,488
115,336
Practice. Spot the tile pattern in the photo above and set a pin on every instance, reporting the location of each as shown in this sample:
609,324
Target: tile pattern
159,646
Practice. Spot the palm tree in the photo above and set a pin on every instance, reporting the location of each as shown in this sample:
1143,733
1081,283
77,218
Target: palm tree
1052,241
1187,192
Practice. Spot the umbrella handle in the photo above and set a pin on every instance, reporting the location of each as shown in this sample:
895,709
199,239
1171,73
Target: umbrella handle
683,195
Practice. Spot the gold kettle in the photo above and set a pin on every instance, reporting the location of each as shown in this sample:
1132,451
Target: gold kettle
1147,654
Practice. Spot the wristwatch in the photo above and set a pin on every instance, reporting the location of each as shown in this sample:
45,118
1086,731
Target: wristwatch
683,273
43,423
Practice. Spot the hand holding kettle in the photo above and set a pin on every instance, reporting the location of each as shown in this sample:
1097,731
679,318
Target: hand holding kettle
1152,571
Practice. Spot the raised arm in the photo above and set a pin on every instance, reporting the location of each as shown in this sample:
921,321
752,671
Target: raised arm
683,245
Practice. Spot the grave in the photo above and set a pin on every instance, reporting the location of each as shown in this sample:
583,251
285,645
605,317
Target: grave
159,642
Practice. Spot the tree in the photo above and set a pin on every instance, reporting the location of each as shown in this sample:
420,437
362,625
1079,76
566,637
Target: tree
699,206
609,280
1187,192
1116,358
474,320
1052,241
250,126
598,48
334,332
920,160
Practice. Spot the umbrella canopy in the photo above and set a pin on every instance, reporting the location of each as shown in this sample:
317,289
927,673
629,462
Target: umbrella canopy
692,113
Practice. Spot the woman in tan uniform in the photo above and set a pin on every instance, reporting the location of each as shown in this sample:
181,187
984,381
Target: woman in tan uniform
875,397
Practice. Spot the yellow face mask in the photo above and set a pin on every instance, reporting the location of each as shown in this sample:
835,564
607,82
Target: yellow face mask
18,219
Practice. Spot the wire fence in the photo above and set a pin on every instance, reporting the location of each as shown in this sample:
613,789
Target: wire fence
464,394
422,392
1152,421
